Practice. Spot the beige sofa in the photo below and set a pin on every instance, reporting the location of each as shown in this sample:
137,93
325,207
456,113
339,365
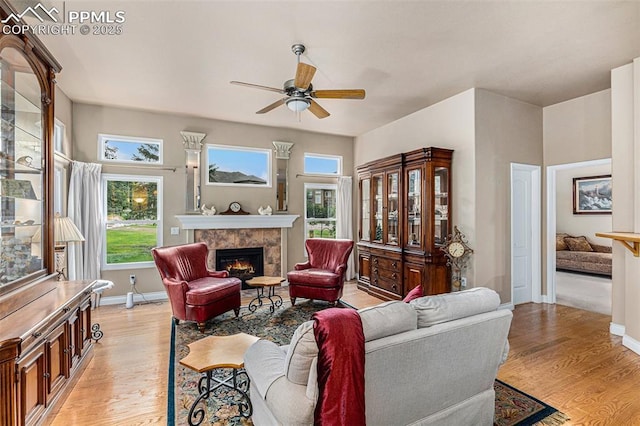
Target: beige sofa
578,254
430,362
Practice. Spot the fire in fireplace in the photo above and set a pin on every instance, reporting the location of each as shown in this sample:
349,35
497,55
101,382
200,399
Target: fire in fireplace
242,263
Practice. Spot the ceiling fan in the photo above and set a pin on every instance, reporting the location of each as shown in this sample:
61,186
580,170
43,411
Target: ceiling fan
299,91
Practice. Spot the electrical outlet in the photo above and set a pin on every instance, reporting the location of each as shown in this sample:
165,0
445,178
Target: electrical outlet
132,279
463,282
175,230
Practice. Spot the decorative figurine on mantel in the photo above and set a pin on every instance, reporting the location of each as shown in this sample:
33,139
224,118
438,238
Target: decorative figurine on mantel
208,212
265,211
457,252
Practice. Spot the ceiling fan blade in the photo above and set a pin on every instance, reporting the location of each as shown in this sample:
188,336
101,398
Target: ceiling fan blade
317,110
274,105
339,94
304,75
257,86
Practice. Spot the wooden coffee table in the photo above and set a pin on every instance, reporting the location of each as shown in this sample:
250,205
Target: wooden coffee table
217,352
260,283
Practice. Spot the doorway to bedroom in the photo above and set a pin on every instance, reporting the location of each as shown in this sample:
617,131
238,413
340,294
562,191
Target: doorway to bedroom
579,263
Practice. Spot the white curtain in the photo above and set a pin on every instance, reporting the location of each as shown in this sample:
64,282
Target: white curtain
344,227
85,209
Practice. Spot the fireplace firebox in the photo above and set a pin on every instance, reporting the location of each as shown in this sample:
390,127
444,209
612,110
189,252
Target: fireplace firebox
242,263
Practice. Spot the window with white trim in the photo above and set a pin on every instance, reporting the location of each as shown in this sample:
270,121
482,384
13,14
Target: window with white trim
320,210
133,218
321,164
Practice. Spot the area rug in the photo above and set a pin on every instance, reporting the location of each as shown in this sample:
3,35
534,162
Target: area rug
513,407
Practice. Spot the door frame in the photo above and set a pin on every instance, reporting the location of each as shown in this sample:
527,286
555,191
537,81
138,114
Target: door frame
550,297
536,233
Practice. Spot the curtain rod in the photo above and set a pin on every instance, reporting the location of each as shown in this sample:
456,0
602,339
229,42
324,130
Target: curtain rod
130,166
320,176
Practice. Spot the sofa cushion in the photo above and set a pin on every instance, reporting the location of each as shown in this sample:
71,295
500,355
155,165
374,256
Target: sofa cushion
578,244
451,306
204,291
314,277
413,294
386,319
302,350
560,244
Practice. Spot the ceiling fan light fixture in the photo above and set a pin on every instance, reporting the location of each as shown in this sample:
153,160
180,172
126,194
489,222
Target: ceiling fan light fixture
297,104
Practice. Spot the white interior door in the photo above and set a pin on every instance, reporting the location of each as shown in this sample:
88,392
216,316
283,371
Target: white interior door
525,217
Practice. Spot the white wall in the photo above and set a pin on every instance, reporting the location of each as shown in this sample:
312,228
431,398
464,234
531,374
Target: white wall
579,224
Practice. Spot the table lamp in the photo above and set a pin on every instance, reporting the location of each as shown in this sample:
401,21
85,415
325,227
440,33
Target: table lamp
64,231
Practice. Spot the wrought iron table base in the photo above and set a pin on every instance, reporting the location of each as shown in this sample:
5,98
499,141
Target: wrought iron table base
237,381
276,300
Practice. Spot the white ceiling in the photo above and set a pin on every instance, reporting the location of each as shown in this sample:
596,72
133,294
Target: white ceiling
179,56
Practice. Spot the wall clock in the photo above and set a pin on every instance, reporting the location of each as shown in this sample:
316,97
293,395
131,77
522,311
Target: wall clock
234,208
457,252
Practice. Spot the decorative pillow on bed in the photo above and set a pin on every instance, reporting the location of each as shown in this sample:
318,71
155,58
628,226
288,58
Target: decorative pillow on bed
560,244
578,244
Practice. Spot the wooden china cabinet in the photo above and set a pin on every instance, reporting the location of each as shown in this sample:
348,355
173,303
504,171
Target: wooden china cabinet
405,210
45,324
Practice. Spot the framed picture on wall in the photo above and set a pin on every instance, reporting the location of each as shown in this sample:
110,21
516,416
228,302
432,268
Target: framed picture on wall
592,195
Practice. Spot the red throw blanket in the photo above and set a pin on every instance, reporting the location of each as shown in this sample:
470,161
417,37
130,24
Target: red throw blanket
340,341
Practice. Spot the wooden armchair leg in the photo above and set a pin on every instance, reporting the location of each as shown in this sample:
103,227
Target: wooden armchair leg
201,327
293,301
236,311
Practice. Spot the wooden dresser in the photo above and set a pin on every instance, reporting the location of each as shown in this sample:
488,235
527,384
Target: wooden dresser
45,341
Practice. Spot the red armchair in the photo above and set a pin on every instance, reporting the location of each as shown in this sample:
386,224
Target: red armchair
195,292
322,276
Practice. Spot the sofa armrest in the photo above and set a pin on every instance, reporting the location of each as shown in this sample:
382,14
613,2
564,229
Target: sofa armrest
340,270
264,363
218,274
301,266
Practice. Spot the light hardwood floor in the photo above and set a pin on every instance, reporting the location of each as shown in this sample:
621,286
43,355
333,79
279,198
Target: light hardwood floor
561,355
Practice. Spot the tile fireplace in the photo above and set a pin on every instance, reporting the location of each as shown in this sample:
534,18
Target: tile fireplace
242,263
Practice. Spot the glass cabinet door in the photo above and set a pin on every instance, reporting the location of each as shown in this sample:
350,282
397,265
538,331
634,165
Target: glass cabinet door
21,169
441,207
377,207
392,209
414,192
365,203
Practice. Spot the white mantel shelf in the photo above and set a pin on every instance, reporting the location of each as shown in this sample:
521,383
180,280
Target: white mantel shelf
194,221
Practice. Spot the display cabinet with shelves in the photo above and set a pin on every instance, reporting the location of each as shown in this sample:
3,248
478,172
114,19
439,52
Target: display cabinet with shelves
44,323
409,196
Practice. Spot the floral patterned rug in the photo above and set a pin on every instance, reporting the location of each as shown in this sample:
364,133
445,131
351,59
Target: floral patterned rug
513,407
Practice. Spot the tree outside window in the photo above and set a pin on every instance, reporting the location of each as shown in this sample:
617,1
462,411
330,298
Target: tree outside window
320,211
133,212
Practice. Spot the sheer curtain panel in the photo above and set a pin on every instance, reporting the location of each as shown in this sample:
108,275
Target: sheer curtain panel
85,209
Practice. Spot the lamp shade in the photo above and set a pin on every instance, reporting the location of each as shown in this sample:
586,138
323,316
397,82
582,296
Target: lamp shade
65,231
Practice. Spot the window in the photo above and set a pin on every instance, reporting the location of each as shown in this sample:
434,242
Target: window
320,210
128,149
58,136
319,164
133,210
230,166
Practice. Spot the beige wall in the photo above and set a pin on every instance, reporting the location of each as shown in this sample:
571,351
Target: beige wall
578,129
579,224
90,120
625,87
507,131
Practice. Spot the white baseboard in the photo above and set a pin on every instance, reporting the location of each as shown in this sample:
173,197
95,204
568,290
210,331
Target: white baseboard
508,306
137,298
616,329
545,298
631,343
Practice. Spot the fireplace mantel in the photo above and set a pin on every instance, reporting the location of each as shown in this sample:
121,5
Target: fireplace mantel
194,221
